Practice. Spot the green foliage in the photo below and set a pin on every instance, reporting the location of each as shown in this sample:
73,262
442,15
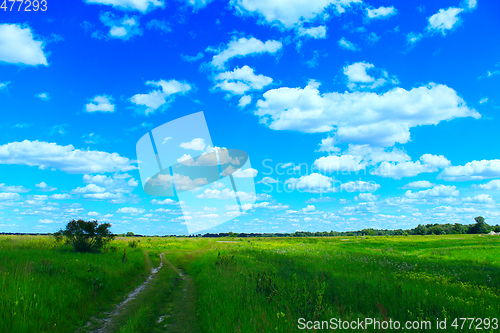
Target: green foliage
420,230
480,227
86,236
130,234
133,244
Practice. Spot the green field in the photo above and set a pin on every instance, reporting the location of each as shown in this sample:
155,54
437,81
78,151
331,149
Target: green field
250,284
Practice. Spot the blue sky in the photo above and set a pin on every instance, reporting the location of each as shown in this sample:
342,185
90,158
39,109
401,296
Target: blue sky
355,114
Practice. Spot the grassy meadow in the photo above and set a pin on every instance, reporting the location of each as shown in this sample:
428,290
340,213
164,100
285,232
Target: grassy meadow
249,284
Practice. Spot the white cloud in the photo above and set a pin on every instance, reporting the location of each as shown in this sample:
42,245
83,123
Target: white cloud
198,4
480,198
469,4
60,196
475,170
313,183
427,163
65,158
243,47
439,161
444,20
18,46
186,158
359,186
159,98
361,117
44,187
483,100
3,85
160,25
130,210
314,32
9,196
366,197
413,37
358,78
43,96
247,173
121,28
381,12
224,194
334,163
436,191
93,214
164,202
345,44
244,101
90,188
13,189
139,5
100,103
492,185
418,185
267,180
195,144
289,13
241,80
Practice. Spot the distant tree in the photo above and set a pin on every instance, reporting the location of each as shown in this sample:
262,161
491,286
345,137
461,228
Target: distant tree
420,230
480,227
86,236
130,234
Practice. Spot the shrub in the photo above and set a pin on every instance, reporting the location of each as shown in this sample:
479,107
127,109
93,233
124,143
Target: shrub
86,236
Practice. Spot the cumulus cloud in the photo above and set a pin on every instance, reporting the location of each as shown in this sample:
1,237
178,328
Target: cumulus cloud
381,12
412,38
314,32
418,185
44,187
436,191
9,196
19,46
358,78
334,163
159,98
345,44
368,197
242,47
65,158
289,13
244,101
361,117
480,199
13,189
267,180
475,170
313,183
195,144
101,103
427,163
241,80
164,202
492,185
444,20
130,210
247,173
121,28
138,5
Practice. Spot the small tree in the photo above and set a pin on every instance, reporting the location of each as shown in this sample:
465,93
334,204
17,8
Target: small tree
86,236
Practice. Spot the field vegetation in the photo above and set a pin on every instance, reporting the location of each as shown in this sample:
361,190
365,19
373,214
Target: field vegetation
237,284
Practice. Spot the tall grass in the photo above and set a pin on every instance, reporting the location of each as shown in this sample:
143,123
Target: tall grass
47,287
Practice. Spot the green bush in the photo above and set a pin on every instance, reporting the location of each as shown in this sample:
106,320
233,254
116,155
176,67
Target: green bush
86,236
